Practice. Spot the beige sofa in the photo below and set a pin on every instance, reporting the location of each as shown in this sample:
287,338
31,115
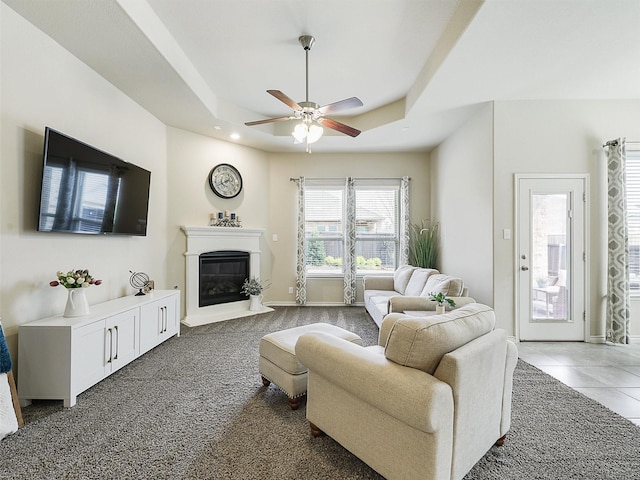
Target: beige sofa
427,402
414,284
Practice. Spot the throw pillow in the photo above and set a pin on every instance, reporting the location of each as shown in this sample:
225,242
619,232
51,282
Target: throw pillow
418,280
441,283
401,278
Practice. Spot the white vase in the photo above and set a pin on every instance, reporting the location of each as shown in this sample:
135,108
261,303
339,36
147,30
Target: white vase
440,309
255,303
77,304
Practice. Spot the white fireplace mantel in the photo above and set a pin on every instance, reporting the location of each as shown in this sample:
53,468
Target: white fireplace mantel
210,239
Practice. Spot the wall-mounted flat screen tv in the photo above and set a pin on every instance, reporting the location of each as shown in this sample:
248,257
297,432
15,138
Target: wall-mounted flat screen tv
86,190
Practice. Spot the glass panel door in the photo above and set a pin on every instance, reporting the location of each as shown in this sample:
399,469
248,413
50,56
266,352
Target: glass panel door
550,241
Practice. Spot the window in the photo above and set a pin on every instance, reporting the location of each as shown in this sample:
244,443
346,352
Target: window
377,225
633,214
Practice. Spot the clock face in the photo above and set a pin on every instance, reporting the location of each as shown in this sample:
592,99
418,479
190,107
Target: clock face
225,181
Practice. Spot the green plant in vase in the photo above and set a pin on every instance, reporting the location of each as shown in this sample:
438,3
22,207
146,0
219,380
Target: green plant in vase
440,299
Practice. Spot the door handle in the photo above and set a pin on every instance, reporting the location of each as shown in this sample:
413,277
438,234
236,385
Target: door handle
524,268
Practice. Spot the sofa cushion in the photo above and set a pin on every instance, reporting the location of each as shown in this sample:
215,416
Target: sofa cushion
418,280
421,342
441,283
401,278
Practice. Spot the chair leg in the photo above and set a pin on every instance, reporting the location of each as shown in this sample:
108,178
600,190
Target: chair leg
265,382
315,431
500,441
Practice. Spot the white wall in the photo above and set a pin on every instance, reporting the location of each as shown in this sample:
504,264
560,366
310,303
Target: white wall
283,209
44,85
557,137
462,202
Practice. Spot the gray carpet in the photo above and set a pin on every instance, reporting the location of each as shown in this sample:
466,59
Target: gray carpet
194,408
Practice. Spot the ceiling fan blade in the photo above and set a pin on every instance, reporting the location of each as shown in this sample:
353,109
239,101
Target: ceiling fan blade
352,102
284,99
340,127
268,120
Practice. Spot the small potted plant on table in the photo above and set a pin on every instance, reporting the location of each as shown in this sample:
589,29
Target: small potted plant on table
441,299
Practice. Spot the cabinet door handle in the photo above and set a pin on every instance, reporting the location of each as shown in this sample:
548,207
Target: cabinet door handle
164,318
117,342
109,339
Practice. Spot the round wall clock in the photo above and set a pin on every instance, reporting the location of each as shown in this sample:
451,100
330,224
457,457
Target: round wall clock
225,180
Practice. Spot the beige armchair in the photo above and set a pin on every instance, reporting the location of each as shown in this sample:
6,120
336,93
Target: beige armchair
427,402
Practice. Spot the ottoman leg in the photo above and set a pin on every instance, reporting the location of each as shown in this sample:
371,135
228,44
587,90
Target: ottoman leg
294,403
266,382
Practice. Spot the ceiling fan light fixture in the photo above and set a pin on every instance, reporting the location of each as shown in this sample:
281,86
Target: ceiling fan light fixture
306,132
315,132
300,132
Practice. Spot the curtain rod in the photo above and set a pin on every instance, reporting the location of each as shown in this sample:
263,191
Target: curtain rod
292,179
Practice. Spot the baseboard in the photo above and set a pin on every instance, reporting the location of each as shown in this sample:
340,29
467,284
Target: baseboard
633,339
312,304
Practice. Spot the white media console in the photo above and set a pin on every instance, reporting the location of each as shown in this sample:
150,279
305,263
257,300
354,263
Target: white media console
62,357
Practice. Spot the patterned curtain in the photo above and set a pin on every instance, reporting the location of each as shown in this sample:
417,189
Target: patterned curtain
301,269
403,258
349,258
617,324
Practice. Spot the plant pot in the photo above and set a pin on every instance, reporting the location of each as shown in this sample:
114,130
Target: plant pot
440,309
255,303
77,304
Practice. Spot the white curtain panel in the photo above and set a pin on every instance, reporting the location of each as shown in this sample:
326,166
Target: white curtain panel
301,270
403,257
617,324
349,263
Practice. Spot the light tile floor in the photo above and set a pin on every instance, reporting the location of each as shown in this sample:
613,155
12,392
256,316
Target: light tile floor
609,374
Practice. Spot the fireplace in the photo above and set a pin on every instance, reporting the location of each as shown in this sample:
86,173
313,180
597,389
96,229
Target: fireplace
213,284
222,274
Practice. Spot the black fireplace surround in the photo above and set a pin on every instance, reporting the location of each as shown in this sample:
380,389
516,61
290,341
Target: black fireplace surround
222,274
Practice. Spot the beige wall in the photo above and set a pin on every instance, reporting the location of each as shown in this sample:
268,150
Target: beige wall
191,201
462,202
283,208
44,85
557,137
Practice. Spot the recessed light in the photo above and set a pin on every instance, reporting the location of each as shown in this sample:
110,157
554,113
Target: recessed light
217,127
234,136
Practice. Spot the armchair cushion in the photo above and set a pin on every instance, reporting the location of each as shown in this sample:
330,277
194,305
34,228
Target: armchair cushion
422,342
440,283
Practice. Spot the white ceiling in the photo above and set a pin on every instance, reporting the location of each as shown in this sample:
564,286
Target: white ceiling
421,67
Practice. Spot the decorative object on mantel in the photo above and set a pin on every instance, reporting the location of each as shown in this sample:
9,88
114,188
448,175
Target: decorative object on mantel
140,280
253,288
75,281
225,180
225,219
440,299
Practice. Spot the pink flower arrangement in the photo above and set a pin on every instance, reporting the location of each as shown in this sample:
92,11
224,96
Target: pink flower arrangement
75,279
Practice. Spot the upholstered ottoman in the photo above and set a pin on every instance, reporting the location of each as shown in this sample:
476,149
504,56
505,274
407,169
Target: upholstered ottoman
278,362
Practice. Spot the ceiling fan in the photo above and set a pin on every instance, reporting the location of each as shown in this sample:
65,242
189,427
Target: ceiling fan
310,114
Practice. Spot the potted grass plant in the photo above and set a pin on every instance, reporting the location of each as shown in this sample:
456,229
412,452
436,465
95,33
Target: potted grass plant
423,244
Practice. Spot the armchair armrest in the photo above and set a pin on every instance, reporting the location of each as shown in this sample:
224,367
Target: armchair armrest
403,304
409,395
374,282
